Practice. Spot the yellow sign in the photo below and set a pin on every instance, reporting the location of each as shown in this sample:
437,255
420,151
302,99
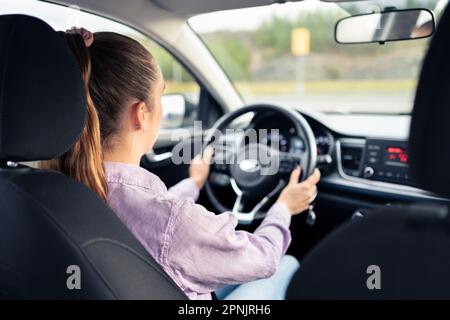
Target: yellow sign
300,42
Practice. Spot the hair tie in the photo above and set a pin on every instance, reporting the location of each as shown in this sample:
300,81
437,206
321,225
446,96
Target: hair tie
88,36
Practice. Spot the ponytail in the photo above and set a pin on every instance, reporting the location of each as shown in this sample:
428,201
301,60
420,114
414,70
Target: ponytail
84,161
115,69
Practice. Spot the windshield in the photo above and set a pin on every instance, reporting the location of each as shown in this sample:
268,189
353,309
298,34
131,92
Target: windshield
256,49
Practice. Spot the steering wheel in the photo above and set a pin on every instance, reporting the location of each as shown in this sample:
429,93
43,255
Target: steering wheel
257,172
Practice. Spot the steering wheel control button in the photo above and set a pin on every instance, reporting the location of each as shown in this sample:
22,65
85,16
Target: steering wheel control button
286,166
220,179
288,163
220,167
368,172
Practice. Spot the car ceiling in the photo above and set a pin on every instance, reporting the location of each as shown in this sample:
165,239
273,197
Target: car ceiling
185,8
191,7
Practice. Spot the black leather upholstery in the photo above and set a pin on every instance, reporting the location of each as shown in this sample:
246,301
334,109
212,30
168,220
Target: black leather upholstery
410,245
48,221
430,129
42,105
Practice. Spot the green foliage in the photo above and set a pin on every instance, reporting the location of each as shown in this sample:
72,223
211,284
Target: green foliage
276,34
232,51
243,54
333,72
166,61
265,53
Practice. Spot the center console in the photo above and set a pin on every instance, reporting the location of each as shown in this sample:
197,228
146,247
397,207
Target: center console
376,159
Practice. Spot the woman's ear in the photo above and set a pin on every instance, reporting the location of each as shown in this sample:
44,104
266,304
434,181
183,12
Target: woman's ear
139,116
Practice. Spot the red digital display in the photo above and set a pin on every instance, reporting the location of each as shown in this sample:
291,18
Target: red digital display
398,155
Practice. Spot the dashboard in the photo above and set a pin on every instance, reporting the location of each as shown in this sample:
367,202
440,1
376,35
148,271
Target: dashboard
282,134
369,165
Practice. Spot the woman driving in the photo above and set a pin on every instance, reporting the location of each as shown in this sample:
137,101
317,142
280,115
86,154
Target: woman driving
201,251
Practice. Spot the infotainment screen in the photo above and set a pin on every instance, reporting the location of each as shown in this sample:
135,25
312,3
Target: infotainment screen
396,156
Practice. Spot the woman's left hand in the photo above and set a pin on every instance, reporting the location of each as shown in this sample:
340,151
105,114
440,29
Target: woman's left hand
199,168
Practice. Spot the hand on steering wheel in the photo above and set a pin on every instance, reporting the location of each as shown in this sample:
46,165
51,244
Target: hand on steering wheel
258,172
297,196
200,166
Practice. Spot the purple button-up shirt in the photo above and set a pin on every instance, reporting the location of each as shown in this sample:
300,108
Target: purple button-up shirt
199,250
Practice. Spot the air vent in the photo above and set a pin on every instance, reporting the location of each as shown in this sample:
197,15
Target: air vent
351,156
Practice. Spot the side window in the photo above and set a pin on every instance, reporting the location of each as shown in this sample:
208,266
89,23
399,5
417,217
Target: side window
181,99
180,103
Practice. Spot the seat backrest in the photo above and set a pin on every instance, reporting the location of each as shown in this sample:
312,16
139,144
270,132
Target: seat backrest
53,230
392,253
397,252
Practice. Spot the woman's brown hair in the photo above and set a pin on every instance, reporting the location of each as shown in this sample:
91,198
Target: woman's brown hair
116,70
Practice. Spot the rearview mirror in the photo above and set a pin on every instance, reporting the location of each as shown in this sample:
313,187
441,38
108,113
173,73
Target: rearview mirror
385,26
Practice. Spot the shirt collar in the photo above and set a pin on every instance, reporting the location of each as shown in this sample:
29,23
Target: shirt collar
130,174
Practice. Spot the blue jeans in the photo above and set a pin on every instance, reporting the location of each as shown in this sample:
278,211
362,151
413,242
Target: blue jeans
273,288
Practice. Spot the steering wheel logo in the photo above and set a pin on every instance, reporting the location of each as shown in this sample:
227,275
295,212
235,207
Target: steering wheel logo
249,165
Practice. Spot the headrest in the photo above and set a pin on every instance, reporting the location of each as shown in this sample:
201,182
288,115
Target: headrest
42,102
430,123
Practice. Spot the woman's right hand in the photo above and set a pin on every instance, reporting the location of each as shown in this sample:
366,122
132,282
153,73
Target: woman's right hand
199,168
297,196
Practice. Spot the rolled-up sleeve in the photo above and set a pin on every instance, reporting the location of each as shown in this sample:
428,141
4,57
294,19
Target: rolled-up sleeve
186,188
206,252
